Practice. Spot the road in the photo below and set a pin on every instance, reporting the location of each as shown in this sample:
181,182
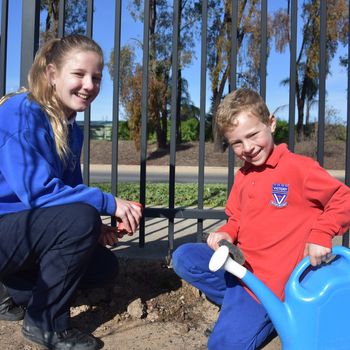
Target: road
183,174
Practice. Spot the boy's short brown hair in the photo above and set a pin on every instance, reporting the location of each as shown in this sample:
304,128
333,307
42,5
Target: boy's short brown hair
240,100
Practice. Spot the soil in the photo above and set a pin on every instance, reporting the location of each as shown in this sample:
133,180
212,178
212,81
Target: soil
149,307
187,154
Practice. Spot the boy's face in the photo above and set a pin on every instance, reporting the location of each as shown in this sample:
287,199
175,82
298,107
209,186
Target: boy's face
251,139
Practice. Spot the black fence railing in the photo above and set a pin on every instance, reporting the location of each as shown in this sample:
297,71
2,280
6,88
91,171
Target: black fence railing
30,41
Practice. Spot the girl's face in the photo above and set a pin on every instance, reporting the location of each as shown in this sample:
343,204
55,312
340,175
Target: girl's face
251,139
78,81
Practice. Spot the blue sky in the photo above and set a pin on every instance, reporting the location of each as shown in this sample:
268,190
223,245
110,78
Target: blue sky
277,69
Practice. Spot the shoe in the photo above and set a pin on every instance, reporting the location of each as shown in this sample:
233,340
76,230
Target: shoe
9,311
70,339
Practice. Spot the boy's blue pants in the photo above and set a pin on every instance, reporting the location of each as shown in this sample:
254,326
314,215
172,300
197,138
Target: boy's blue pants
243,322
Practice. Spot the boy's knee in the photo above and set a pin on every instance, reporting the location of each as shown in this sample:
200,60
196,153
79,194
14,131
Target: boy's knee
227,342
179,260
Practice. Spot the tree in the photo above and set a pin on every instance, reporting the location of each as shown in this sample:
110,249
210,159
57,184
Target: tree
219,50
75,18
160,60
309,55
131,93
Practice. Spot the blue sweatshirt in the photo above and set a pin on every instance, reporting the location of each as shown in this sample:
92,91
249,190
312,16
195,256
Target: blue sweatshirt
31,173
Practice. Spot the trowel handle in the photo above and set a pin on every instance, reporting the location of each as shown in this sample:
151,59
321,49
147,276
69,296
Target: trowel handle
235,253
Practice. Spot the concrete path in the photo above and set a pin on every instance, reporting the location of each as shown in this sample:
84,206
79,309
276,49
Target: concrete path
156,237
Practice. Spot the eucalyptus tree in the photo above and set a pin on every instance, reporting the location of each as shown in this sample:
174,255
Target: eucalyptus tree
219,50
75,18
160,64
308,56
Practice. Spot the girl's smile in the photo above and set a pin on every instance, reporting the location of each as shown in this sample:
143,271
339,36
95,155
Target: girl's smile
77,82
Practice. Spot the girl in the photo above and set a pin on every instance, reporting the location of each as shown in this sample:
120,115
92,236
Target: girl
52,239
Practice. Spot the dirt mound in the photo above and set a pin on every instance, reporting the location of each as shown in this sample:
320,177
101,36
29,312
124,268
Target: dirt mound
148,308
187,154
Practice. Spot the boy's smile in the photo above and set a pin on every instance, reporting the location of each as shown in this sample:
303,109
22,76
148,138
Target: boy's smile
251,139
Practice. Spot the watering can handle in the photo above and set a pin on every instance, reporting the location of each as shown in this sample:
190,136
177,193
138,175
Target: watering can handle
305,263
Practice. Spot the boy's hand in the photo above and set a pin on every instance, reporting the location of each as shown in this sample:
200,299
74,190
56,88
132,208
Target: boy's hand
317,253
215,237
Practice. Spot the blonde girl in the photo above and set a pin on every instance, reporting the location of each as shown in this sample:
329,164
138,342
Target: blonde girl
53,241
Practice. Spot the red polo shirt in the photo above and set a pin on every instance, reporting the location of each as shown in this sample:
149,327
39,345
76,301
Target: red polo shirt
275,209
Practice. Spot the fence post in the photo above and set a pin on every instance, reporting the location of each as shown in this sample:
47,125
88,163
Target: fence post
3,46
30,36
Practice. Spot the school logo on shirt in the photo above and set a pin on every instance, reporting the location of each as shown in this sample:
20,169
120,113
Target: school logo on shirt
279,194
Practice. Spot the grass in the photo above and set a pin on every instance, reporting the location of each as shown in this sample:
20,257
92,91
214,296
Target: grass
215,195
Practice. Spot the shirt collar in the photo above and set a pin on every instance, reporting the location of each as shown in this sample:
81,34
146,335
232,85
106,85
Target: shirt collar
271,161
71,120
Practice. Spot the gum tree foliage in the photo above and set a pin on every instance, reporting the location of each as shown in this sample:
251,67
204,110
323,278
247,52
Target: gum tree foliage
75,18
308,56
160,61
278,29
219,50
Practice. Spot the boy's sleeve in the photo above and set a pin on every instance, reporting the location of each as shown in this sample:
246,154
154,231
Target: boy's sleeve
326,192
232,211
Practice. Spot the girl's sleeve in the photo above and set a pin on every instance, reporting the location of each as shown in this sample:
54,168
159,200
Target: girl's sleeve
333,198
33,171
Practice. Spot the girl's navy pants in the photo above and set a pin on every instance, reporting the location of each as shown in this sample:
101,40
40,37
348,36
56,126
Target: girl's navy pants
46,254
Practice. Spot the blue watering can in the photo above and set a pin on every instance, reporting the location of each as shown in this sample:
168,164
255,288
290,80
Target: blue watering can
316,312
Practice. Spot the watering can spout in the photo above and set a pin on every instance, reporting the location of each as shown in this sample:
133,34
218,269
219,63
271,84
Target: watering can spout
278,311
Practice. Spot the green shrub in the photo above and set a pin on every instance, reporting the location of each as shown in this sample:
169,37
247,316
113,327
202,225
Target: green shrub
281,132
335,132
190,130
123,132
215,195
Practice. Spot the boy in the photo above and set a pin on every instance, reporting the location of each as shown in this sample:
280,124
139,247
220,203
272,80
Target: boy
281,208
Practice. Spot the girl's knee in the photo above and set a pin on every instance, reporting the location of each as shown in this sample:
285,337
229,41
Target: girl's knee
88,218
102,270
83,221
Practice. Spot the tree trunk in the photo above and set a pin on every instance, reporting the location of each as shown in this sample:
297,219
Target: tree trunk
300,104
217,138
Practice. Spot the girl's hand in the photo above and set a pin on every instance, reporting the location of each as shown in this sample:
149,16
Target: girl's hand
317,253
109,235
129,214
215,237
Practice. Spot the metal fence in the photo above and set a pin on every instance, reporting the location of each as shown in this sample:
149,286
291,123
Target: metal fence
30,40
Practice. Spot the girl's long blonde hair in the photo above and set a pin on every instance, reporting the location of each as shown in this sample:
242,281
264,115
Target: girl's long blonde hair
40,90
